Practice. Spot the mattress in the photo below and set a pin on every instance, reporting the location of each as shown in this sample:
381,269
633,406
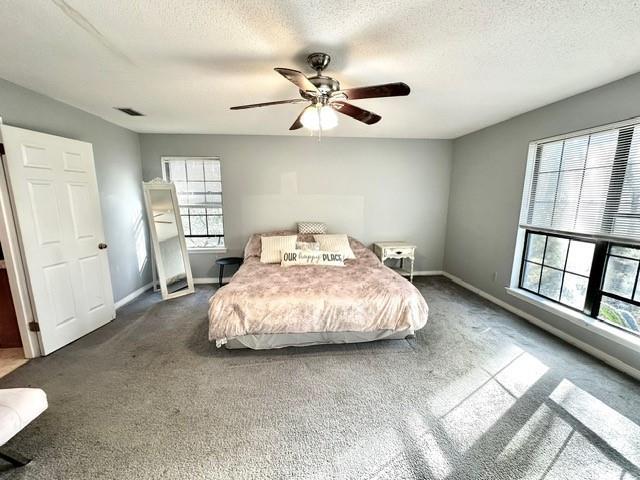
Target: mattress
364,296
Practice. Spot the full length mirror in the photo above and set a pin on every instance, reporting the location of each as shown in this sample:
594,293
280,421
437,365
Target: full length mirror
169,246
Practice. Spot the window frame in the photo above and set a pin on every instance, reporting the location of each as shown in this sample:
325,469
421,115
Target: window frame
165,161
595,287
616,296
588,316
564,270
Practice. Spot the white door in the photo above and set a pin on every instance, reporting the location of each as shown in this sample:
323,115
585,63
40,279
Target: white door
57,209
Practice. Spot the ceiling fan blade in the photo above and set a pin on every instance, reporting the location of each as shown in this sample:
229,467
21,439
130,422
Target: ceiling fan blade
364,116
299,80
397,89
267,104
297,124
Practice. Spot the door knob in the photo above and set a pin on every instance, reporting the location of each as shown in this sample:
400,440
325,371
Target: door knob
102,246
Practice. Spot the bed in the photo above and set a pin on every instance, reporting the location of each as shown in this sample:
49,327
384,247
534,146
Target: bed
267,306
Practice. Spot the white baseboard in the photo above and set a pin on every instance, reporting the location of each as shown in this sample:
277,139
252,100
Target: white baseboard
133,295
605,357
424,273
210,280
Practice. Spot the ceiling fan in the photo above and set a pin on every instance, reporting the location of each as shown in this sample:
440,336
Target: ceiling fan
325,97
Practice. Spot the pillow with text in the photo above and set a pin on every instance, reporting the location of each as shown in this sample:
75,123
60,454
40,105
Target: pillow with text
312,257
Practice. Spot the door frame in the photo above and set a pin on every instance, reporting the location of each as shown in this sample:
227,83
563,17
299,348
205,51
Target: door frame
15,266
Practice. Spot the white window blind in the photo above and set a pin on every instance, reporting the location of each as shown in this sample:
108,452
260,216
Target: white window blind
586,184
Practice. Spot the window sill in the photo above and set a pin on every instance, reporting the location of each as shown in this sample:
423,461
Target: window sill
616,335
207,250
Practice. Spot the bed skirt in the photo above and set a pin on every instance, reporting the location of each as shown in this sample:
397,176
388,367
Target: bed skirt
281,340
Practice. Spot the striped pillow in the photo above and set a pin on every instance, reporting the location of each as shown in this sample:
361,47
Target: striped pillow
273,246
335,243
312,227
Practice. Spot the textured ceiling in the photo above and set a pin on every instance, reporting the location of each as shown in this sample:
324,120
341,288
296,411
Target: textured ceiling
470,63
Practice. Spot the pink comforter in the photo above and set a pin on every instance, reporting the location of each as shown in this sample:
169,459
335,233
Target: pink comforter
363,296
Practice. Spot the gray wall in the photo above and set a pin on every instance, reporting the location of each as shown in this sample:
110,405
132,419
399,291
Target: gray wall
486,192
118,169
375,189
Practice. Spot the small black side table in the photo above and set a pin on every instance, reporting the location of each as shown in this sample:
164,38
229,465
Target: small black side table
221,262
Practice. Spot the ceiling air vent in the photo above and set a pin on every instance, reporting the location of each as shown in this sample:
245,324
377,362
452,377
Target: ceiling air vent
130,111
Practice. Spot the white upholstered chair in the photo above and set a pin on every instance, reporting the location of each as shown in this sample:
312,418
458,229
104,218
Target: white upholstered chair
18,408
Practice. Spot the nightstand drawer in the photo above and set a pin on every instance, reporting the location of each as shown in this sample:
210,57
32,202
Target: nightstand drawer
398,252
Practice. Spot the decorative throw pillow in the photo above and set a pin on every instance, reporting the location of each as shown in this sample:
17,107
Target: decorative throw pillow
272,246
309,257
253,247
312,227
335,243
314,246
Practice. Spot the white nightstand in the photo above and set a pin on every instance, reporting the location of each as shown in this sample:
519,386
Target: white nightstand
396,250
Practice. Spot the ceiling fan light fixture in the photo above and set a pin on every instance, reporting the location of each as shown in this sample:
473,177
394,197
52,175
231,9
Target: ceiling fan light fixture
316,117
327,98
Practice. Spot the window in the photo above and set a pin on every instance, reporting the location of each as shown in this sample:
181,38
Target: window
199,188
557,268
580,223
620,295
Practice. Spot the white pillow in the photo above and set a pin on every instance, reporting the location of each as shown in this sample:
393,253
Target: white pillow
312,227
272,246
311,257
335,243
315,246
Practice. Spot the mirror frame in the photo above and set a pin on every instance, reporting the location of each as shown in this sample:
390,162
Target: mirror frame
159,184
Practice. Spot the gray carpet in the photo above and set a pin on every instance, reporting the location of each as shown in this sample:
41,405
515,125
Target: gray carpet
479,393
